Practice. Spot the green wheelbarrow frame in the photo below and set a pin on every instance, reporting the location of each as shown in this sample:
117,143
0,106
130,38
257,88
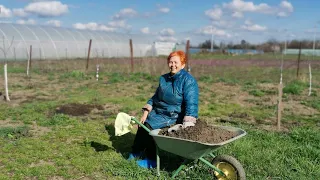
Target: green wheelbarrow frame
190,150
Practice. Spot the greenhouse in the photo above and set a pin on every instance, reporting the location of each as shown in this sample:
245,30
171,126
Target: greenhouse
48,42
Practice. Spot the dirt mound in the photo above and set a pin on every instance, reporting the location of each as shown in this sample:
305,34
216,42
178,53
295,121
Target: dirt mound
201,132
77,109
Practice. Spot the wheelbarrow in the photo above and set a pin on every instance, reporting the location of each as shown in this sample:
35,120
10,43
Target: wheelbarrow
224,167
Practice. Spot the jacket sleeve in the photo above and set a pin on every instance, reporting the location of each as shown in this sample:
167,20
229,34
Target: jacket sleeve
191,98
150,102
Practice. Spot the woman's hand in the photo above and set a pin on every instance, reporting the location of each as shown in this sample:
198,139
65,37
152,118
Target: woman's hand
144,117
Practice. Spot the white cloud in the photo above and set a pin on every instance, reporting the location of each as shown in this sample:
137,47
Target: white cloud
242,6
145,30
247,22
167,32
167,39
5,12
253,27
55,23
20,12
93,26
164,9
285,9
47,8
119,24
239,7
283,14
287,6
28,21
214,14
125,13
106,28
237,14
222,23
213,30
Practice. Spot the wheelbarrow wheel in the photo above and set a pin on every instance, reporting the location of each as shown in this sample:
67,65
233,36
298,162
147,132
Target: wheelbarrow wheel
230,166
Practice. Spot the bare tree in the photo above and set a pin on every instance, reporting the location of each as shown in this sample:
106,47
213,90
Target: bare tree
5,50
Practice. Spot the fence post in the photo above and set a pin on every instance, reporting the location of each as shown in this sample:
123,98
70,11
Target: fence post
87,66
279,107
30,55
187,55
15,56
66,54
298,68
131,55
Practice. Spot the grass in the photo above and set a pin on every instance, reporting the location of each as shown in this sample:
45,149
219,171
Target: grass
294,87
47,145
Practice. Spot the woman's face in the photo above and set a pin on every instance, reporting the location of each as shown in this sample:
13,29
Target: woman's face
175,65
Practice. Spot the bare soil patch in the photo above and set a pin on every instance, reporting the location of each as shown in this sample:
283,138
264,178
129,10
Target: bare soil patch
201,132
75,109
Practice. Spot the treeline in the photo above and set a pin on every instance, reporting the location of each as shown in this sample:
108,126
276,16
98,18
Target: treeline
269,46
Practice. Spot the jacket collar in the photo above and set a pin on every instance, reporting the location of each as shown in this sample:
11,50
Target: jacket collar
177,75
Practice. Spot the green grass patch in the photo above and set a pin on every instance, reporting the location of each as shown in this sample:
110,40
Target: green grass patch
257,92
75,74
315,103
294,155
294,87
14,132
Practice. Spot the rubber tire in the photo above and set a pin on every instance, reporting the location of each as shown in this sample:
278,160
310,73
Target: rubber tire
232,161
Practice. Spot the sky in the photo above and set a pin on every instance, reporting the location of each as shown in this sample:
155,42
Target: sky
254,21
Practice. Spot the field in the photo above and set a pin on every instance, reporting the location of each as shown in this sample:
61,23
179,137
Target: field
59,122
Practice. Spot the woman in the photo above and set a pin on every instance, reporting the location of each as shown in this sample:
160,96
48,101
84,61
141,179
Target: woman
174,102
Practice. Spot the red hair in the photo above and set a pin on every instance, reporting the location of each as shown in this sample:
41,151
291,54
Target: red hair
181,54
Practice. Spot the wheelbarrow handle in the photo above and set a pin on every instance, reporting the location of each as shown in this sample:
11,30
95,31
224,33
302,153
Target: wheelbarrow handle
140,124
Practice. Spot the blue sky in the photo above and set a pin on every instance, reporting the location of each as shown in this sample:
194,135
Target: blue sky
255,21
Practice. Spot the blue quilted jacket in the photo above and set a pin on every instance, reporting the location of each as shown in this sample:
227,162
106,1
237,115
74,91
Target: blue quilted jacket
175,100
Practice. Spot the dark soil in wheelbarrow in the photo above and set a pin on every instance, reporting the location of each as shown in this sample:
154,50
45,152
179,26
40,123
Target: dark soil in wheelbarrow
201,132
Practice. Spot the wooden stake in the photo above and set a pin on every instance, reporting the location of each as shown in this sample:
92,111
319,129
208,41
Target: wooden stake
30,55
279,106
187,55
15,56
131,54
298,68
6,82
87,66
310,79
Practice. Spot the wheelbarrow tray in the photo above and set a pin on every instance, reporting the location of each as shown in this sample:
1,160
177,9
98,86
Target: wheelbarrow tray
192,149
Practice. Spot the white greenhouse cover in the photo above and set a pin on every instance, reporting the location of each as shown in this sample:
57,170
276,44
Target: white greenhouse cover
63,43
164,48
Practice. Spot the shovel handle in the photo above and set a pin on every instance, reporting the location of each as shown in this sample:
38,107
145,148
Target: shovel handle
140,124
